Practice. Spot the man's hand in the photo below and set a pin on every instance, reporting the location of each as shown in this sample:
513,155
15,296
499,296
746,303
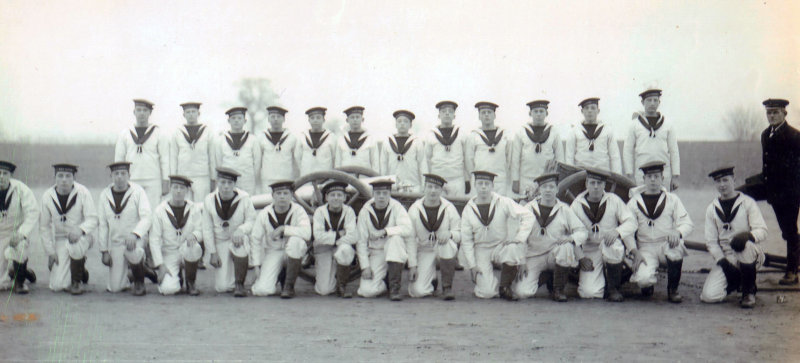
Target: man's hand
277,233
377,234
740,239
586,264
214,260
673,238
366,273
563,241
467,187
674,183
106,259
515,186
165,188
341,233
74,235
443,237
609,237
238,237
412,274
474,272
638,259
130,241
257,271
52,260
191,240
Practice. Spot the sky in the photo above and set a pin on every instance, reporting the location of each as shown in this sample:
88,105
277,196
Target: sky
68,70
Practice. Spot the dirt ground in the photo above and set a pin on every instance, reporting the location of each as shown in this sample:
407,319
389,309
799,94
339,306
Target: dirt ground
116,327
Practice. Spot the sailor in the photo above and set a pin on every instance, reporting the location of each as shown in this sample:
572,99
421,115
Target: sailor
237,149
18,216
651,138
445,151
403,155
592,144
357,147
335,237
317,145
537,149
280,150
489,148
192,153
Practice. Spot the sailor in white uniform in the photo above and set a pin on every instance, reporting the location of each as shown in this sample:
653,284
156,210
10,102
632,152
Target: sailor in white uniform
356,146
592,143
403,155
335,237
18,216
536,149
651,138
238,149
489,148
444,149
280,150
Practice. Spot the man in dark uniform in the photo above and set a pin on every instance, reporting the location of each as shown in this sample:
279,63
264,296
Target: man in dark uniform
780,143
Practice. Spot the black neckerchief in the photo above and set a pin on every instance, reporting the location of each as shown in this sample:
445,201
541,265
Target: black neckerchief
315,139
119,204
381,217
64,204
651,127
400,145
538,135
5,199
276,138
236,140
491,137
727,213
652,209
226,208
178,217
355,140
139,139
193,133
544,216
280,218
592,132
446,136
432,218
336,220
594,215
484,212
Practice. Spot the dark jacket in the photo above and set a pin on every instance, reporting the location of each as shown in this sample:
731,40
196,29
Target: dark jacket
781,168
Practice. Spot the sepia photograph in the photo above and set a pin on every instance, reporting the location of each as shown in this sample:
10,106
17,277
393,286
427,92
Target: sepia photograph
362,181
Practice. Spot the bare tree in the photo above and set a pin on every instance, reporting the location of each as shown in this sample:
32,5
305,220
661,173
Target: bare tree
256,94
744,124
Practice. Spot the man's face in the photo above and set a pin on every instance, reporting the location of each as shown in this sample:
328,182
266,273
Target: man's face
484,187
282,198
590,112
191,114
776,115
316,120
336,199
651,104
142,113
447,114
548,190
65,180
276,120
5,179
595,187
653,181
381,197
355,120
225,185
403,124
120,178
487,116
178,192
725,185
433,191
538,114
237,121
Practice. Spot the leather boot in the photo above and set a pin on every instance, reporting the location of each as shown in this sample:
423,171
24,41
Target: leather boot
85,272
546,278
239,275
648,291
790,278
559,283
18,275
76,274
200,264
342,275
674,280
748,285
507,275
137,271
613,278
448,269
29,274
150,273
292,270
190,269
394,274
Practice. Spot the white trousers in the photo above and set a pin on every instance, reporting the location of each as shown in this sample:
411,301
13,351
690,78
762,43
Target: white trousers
715,287
201,187
561,255
326,259
10,254
486,283
426,267
120,259
274,259
592,284
654,255
60,276
152,187
173,260
454,187
392,249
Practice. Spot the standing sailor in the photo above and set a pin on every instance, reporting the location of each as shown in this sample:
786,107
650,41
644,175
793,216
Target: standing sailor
357,147
437,232
147,148
238,150
175,237
651,139
66,226
18,217
192,153
280,152
124,216
592,144
445,151
335,236
318,145
403,155
227,223
536,148
489,149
